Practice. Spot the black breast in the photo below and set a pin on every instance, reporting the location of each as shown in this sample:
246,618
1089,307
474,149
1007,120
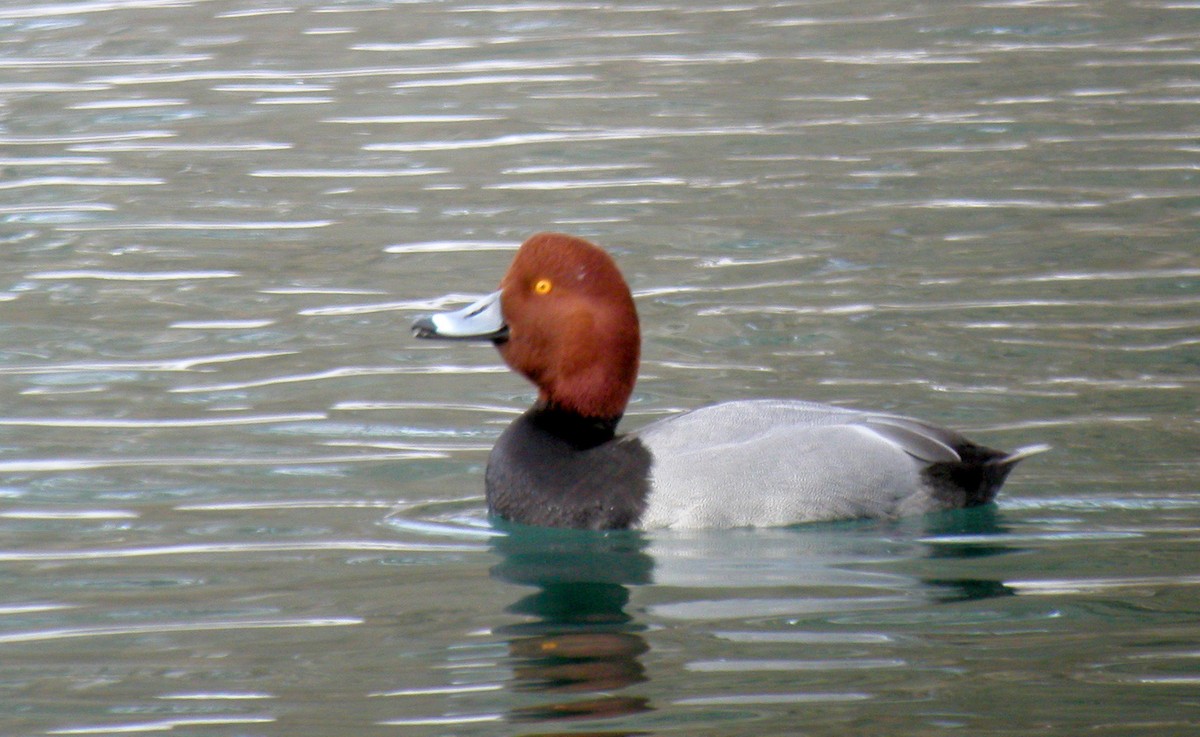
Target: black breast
555,469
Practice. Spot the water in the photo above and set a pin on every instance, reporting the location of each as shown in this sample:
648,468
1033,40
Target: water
237,498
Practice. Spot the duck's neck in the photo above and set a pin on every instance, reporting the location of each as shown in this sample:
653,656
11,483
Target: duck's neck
580,431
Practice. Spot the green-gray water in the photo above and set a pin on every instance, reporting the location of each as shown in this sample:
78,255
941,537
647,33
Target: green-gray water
237,498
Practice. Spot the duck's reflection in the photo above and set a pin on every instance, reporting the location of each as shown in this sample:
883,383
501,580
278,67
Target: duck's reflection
966,534
577,654
579,640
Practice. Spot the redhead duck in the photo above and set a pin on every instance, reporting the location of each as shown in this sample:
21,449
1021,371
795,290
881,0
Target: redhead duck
565,319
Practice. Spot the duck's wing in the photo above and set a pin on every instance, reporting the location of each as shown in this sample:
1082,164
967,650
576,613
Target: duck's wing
925,442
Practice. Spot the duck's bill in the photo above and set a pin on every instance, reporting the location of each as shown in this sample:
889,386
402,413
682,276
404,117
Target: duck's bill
481,320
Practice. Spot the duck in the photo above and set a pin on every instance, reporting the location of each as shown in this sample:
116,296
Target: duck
565,319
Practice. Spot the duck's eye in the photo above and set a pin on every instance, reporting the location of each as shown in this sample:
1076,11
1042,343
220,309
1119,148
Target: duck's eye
543,286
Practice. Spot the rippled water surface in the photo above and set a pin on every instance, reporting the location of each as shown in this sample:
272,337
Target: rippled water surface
237,498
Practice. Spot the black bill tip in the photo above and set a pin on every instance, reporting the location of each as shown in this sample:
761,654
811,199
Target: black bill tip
423,327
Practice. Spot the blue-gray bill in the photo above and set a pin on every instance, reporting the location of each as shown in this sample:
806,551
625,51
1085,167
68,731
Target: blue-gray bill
480,320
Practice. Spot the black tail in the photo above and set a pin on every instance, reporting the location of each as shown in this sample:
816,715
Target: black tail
978,476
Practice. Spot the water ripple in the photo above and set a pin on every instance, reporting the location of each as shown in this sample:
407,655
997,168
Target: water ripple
743,608
235,548
411,119
347,173
216,696
255,12
1083,276
918,307
66,181
53,161
87,514
577,136
751,665
441,690
1088,586
132,275
169,364
56,465
807,638
187,422
47,10
68,633
451,247
127,104
38,87
94,61
442,721
244,324
162,725
341,373
483,79
288,504
355,406
408,304
295,100
803,697
185,225
123,146
21,609
565,184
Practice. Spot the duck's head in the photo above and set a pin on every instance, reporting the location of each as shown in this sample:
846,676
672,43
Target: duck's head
564,318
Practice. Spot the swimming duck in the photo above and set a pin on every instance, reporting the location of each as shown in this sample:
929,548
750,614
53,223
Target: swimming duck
565,319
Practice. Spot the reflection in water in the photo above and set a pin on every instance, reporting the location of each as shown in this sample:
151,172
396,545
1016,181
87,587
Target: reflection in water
966,533
580,640
952,590
961,534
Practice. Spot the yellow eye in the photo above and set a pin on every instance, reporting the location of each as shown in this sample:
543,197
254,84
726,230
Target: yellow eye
542,286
